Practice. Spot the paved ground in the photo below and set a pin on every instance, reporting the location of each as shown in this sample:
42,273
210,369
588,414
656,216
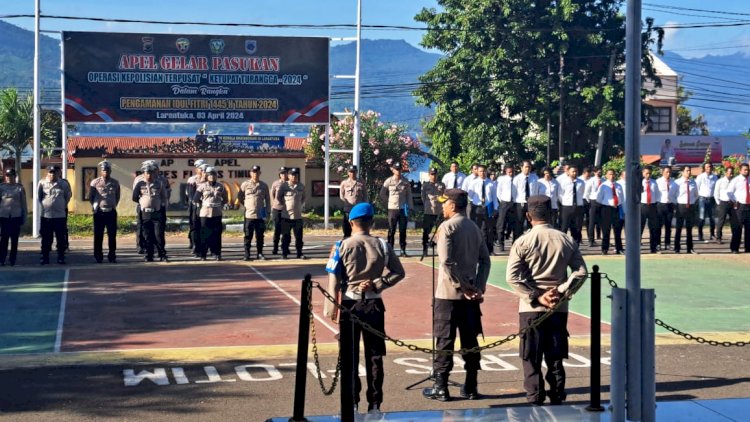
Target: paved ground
206,340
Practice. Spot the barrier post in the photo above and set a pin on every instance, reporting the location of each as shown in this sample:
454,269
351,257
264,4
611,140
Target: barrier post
303,340
596,342
618,368
648,299
347,370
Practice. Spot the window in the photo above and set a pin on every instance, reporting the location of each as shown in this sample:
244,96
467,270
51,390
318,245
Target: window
660,119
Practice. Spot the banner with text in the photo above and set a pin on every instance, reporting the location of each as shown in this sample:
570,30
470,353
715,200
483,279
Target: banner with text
166,78
679,149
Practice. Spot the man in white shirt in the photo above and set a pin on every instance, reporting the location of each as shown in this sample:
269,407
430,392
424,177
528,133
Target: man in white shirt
706,183
550,188
483,204
506,212
454,179
571,201
621,211
470,178
739,194
589,194
585,176
610,197
649,208
686,198
524,186
723,204
665,207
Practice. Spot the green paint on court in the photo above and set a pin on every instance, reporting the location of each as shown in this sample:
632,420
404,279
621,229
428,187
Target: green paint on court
705,293
29,310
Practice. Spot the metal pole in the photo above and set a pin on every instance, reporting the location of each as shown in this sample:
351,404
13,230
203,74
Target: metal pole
62,109
596,342
632,215
303,340
561,116
347,367
618,368
357,120
648,300
37,129
327,177
600,140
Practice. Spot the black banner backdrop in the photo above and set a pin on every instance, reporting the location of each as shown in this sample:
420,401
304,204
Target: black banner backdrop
166,78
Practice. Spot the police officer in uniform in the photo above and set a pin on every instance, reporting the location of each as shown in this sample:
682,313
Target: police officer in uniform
351,192
193,218
278,207
539,283
12,216
54,195
292,195
396,195
104,195
212,198
161,233
363,260
724,206
431,191
256,198
462,278
150,193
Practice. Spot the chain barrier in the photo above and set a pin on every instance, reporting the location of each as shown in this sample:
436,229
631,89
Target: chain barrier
686,336
326,391
414,348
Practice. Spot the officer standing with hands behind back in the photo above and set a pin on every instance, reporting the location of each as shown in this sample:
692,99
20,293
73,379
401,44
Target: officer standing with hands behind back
351,192
54,194
12,215
277,206
431,191
396,195
104,194
256,198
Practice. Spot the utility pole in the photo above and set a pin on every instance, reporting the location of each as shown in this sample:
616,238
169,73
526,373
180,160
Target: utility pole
36,209
561,115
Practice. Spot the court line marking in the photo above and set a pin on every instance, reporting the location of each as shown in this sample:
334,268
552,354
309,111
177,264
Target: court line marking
513,293
61,315
294,299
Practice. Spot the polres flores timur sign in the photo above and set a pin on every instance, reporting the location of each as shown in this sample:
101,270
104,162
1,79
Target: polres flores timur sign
115,77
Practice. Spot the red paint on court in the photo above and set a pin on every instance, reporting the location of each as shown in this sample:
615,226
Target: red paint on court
145,307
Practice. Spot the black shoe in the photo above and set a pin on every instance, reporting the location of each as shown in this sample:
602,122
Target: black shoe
403,252
61,261
720,240
246,258
373,409
693,251
260,257
700,238
555,402
592,244
203,257
619,252
470,395
301,256
275,251
99,260
217,257
436,393
536,403
112,260
141,251
284,256
605,252
43,261
735,252
149,259
164,258
12,263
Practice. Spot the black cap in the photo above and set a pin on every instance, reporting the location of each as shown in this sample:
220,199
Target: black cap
283,169
294,170
352,168
255,169
105,165
396,165
10,172
460,197
540,203
51,169
433,170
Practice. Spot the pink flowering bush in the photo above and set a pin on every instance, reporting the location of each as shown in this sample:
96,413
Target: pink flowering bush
380,144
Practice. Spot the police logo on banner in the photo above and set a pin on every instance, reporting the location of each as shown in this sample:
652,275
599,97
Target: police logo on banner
183,44
217,46
148,44
251,46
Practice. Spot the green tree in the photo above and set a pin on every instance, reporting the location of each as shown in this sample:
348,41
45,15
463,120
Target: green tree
380,144
17,125
506,65
686,123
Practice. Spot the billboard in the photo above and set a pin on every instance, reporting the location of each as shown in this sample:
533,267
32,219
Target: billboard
167,78
245,141
693,149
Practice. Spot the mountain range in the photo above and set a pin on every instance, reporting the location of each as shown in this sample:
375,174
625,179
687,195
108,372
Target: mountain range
390,71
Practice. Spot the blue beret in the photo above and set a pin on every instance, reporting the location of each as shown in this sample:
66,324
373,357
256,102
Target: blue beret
362,210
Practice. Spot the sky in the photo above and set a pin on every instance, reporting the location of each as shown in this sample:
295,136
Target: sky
688,42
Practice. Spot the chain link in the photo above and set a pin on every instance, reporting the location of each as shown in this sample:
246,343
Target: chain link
413,347
316,358
686,336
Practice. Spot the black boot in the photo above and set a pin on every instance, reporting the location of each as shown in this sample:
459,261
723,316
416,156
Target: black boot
439,390
469,389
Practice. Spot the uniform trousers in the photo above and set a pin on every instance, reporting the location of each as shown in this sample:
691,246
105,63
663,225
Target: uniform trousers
397,218
102,221
195,228
484,222
254,226
665,214
723,210
505,220
345,226
547,342
150,228
371,311
742,223
140,241
428,223
519,220
685,218
571,218
277,220
610,221
595,219
58,228
449,316
706,211
211,229
10,229
650,212
555,218
287,227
